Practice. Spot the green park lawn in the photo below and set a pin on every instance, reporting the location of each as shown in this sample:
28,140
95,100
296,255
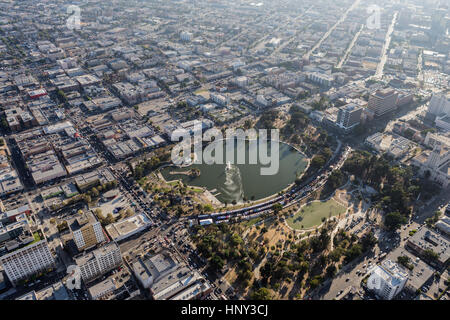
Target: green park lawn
311,215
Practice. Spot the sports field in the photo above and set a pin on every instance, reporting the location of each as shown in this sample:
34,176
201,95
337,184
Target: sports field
311,215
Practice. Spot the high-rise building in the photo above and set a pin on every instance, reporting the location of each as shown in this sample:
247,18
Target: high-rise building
349,116
186,36
86,231
26,252
383,101
387,280
99,261
436,163
439,105
434,139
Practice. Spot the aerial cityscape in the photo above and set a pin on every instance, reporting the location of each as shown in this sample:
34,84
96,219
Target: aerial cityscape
225,150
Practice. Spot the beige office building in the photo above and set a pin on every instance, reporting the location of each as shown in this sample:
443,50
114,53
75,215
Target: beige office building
383,101
86,231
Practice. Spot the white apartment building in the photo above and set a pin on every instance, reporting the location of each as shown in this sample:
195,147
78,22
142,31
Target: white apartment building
242,81
439,105
186,36
219,99
321,79
387,280
99,261
260,99
27,261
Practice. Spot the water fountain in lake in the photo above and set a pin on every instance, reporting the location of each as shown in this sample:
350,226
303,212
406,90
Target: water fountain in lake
232,188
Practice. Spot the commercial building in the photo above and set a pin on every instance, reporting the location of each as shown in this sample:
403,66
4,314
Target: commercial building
419,272
78,155
387,280
119,286
123,149
87,80
129,93
34,94
196,291
432,247
94,178
383,101
18,119
86,231
102,289
55,151
9,179
392,144
128,227
443,225
13,215
194,126
102,104
51,192
168,279
99,261
349,116
45,167
56,291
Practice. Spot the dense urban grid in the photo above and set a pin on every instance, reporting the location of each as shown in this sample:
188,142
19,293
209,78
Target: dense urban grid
93,208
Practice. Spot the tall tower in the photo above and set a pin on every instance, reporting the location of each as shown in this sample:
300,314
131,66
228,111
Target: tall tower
383,101
439,104
435,157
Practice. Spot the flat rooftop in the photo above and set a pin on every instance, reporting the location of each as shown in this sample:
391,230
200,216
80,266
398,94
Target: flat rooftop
426,238
127,226
421,271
